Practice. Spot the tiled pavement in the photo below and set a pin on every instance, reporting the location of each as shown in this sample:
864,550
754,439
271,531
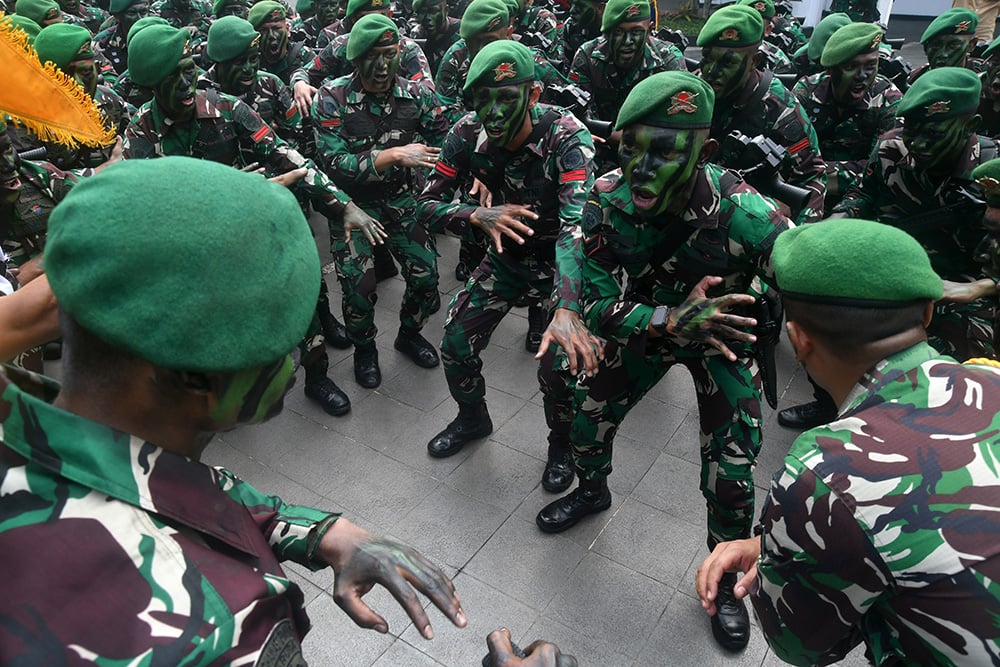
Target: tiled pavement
616,590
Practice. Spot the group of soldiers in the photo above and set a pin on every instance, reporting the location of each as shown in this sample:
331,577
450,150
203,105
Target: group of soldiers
628,195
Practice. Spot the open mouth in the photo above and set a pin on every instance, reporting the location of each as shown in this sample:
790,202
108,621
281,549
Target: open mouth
643,198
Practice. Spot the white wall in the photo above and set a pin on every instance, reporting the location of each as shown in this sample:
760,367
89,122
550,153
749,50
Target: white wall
812,10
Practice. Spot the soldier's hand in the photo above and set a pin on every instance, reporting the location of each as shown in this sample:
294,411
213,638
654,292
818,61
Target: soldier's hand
117,154
538,654
415,155
706,319
357,219
303,94
290,178
968,292
504,220
361,560
253,168
734,556
569,332
29,270
483,192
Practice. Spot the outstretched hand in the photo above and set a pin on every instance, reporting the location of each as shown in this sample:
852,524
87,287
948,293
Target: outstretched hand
361,560
707,319
356,219
734,556
538,654
569,332
504,220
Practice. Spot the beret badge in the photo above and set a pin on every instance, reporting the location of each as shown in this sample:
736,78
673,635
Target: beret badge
632,11
504,71
942,106
730,35
683,102
961,27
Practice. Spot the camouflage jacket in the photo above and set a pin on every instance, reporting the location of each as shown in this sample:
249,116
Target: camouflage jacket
191,554
572,38
353,127
197,14
331,62
775,113
790,31
594,71
91,18
865,11
133,94
894,190
273,102
297,56
848,134
726,230
43,185
225,129
330,33
109,47
539,29
435,48
775,59
305,30
550,173
882,526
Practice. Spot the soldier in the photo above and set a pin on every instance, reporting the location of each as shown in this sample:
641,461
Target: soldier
773,58
277,55
881,526
42,12
806,59
537,27
787,32
108,473
863,11
989,103
690,237
438,30
948,42
849,105
756,103
78,13
582,25
182,120
193,15
366,126
123,84
535,160
111,44
238,8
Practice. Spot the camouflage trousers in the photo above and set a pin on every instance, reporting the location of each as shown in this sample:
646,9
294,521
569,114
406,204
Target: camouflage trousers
492,290
413,247
729,411
312,348
963,331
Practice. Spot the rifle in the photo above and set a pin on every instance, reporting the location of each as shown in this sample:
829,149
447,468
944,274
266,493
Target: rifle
768,312
759,164
576,100
35,154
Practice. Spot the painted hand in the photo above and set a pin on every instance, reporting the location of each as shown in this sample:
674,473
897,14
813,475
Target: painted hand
706,319
357,219
504,220
582,347
416,155
538,654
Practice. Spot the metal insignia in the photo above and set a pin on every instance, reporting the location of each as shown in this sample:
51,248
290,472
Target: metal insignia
632,11
504,71
683,101
962,27
730,35
942,106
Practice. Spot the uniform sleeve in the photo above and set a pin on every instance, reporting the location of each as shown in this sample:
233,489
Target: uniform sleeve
433,123
414,65
437,206
818,572
807,169
448,87
140,141
574,164
316,70
859,202
293,531
335,152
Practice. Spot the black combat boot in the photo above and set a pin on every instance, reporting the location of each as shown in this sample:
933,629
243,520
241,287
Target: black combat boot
810,415
473,422
385,268
416,347
366,370
324,391
591,497
536,327
334,331
559,468
731,623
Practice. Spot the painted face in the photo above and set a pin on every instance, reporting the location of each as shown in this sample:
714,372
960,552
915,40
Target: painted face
657,163
934,144
255,395
502,111
238,75
586,14
627,42
477,42
84,72
69,6
948,50
433,16
175,94
10,180
273,40
851,80
132,13
234,9
727,70
327,11
377,68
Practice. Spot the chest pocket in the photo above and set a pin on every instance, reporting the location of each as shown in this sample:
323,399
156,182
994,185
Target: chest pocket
397,128
217,141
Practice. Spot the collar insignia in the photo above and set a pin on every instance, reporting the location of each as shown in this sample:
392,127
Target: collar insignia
504,71
942,106
730,35
683,101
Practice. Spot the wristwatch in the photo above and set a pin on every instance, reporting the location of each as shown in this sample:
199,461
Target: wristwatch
659,319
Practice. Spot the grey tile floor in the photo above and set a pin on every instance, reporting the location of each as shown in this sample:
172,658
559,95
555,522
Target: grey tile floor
616,590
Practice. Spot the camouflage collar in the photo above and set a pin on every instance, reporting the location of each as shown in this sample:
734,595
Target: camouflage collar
702,211
357,95
889,370
203,108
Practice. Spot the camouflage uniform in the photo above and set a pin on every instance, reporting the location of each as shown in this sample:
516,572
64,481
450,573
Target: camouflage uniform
882,525
786,33
330,33
847,135
775,59
131,92
178,597
110,48
893,190
331,62
728,231
91,18
42,187
551,174
538,22
864,11
352,127
197,14
273,102
766,107
572,38
297,56
435,48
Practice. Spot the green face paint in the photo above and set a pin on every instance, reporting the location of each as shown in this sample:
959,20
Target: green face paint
851,80
132,13
175,94
727,70
69,6
273,40
239,75
585,14
627,43
502,111
254,395
935,144
327,11
947,50
657,164
377,68
10,180
235,9
84,72
433,16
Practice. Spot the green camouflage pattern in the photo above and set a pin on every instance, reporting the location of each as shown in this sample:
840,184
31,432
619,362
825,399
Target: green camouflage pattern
195,14
435,47
43,185
191,552
133,94
775,59
91,18
540,21
331,62
882,527
297,56
110,49
273,102
864,11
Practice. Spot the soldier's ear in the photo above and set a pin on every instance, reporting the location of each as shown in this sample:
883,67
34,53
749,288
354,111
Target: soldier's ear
801,341
928,314
973,123
535,94
708,151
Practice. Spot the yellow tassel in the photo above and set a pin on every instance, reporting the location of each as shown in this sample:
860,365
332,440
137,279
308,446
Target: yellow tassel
983,361
42,98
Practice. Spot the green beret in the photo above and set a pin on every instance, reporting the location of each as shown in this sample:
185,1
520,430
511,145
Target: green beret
987,175
371,30
991,49
822,33
852,40
229,37
669,99
304,6
765,7
483,16
955,21
501,63
62,43
119,6
513,9
733,27
623,11
141,25
256,258
265,12
30,27
38,10
155,52
219,5
853,263
418,5
943,92
355,6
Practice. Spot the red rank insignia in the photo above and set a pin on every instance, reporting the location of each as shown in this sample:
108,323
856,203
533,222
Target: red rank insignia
730,35
962,27
943,106
388,37
504,71
683,101
632,11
